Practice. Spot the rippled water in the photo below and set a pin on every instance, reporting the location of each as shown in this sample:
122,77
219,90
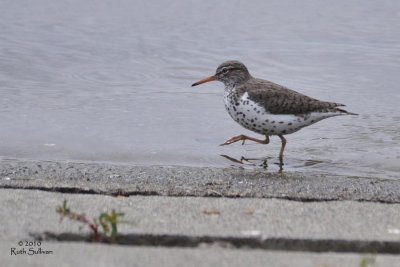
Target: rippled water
110,80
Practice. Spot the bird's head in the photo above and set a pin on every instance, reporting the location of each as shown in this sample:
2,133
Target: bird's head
231,73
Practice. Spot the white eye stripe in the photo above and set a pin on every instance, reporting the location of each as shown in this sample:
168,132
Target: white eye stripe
224,70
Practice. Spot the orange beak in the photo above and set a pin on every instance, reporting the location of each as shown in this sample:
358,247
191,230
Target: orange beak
208,79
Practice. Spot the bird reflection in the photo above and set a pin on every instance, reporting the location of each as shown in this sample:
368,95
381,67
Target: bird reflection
256,162
263,162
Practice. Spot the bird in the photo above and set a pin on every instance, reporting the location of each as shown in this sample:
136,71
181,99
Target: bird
267,108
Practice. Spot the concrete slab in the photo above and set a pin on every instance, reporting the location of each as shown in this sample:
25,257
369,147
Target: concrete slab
98,255
190,181
28,211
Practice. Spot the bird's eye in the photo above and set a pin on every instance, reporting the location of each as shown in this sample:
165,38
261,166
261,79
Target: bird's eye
224,70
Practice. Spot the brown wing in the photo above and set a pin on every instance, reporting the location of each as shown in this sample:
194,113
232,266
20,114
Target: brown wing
278,99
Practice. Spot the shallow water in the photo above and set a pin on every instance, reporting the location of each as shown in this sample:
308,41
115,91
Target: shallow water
110,81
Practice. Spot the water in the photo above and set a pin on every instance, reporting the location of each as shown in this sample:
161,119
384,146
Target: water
109,81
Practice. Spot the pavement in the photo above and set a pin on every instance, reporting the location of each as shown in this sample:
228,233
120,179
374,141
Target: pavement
109,179
183,216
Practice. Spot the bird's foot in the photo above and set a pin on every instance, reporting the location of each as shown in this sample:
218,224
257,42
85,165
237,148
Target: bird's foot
235,139
244,138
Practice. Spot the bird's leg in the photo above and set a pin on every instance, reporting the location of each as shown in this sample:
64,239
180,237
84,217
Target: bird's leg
282,147
244,138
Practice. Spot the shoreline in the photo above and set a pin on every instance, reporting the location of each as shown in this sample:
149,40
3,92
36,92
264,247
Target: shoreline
126,180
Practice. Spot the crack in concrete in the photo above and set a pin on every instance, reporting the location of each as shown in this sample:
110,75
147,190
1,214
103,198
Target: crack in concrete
118,193
256,242
76,190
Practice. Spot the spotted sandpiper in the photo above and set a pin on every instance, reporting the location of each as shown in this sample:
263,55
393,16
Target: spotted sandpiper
265,107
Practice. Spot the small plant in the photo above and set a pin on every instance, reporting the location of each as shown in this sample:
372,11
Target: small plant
367,261
110,220
107,220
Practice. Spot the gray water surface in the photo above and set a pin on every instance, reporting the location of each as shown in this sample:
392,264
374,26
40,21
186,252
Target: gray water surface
110,81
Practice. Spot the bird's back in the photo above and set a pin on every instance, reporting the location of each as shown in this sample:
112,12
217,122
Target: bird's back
278,99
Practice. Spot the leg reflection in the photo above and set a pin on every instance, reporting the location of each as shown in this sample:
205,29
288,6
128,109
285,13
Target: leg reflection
256,162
